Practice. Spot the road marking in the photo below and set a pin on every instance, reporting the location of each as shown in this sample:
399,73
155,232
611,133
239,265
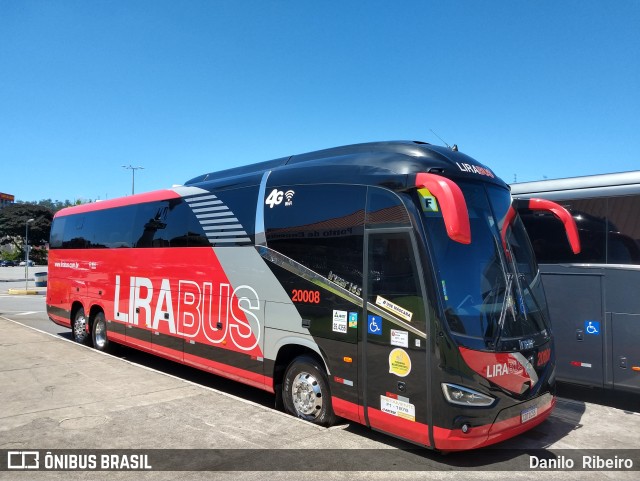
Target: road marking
27,313
21,296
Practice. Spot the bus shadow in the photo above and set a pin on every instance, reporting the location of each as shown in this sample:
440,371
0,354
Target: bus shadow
187,373
625,401
194,375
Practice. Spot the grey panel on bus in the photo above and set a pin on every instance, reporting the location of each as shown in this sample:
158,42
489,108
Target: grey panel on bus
621,283
626,352
574,301
244,266
285,327
624,183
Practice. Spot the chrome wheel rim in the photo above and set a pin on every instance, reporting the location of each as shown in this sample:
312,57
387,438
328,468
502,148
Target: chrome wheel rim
100,334
306,395
80,326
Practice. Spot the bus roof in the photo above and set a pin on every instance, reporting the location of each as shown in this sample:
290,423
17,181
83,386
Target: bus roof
383,163
621,183
393,157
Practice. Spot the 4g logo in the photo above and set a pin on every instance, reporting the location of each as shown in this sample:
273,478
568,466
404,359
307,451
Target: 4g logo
276,196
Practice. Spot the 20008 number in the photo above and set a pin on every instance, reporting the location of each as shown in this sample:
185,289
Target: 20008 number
301,295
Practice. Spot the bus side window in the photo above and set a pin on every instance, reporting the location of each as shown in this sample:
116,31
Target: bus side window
322,229
175,214
623,236
549,239
112,228
161,224
195,233
385,209
393,275
74,233
56,238
150,219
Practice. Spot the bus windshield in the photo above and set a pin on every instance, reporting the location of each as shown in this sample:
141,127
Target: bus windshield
491,289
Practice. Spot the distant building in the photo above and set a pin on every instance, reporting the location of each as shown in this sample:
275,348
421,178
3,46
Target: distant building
6,199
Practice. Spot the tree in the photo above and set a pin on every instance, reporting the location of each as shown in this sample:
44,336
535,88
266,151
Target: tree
13,220
54,205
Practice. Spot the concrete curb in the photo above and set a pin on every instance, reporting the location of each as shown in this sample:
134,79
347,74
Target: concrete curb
25,291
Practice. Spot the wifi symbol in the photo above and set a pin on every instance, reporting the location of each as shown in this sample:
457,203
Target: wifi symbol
289,195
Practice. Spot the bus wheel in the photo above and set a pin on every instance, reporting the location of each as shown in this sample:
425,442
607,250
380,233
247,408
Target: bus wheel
305,392
79,330
99,333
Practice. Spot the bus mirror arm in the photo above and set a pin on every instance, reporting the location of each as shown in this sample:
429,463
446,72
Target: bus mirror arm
509,218
557,210
452,205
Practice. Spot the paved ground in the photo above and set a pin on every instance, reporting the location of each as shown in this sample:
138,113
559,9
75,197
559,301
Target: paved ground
55,394
21,280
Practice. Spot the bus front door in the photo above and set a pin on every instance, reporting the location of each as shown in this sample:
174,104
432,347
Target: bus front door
395,347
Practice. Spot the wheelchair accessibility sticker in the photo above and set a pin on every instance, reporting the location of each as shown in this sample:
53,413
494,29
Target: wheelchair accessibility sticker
375,325
592,327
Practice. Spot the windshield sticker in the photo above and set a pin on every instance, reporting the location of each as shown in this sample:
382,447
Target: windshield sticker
399,338
428,201
399,362
398,406
353,319
340,321
394,308
444,291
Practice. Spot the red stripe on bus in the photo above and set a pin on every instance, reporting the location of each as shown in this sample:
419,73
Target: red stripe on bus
61,321
167,353
96,274
139,344
404,428
120,202
247,377
348,410
116,337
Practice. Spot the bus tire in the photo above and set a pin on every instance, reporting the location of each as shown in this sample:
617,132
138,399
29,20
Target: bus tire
99,333
305,392
79,328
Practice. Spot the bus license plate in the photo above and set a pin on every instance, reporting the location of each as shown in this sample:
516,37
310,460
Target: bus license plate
528,414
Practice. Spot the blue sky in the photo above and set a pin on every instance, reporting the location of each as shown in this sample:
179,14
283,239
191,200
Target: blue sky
529,88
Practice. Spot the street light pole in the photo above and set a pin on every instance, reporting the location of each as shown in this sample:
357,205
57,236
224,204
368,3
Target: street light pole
26,254
133,175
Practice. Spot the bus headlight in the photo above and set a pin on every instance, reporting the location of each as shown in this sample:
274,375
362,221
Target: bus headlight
464,396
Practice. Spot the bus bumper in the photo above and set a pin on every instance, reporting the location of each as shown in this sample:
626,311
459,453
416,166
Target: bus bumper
509,422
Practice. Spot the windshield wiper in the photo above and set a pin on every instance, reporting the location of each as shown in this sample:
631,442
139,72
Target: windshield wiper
507,303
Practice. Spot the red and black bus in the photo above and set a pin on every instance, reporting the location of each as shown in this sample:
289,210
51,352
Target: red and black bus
391,284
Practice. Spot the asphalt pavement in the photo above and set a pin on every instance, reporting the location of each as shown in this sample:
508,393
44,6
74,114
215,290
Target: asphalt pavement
57,395
22,280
